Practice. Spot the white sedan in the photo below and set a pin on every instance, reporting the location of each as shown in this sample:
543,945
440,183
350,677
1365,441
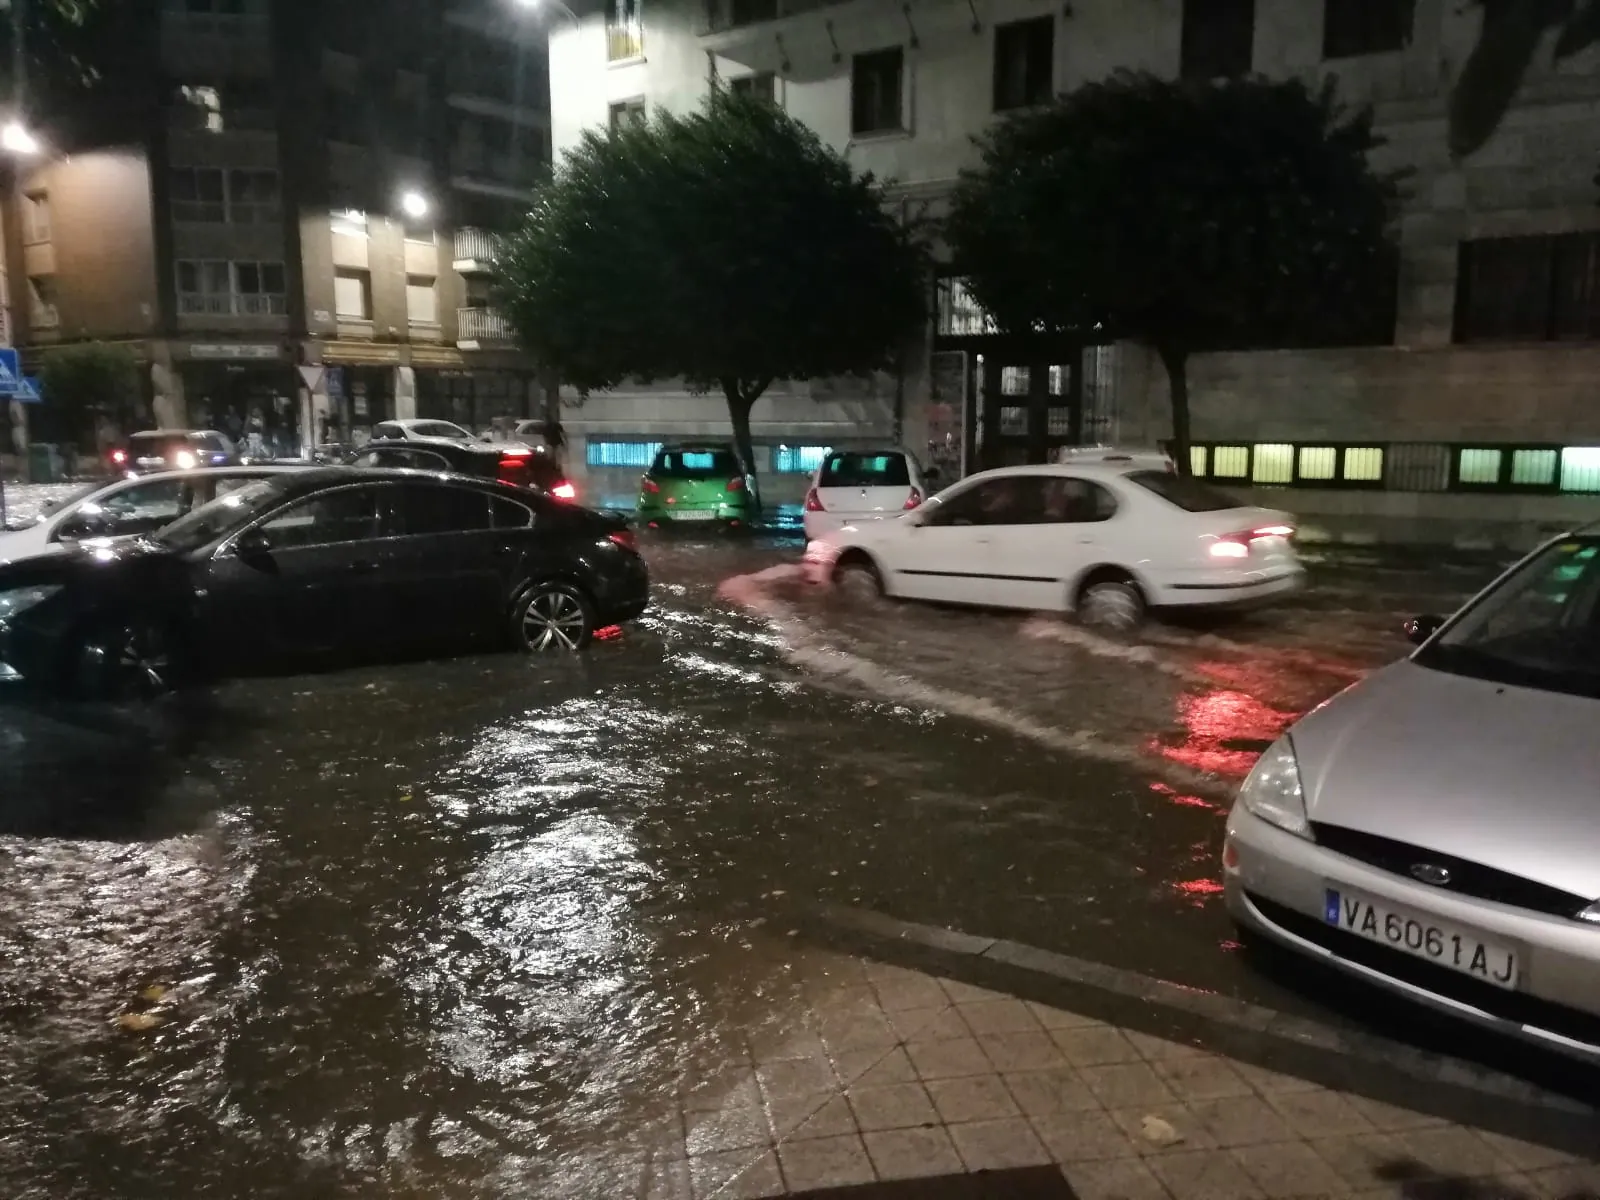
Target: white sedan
1104,540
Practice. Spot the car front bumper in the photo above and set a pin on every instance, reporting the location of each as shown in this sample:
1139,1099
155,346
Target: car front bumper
1276,885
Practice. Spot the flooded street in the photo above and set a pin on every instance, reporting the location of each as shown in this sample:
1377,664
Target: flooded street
447,928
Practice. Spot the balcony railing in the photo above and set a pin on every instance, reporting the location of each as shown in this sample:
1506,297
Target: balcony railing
224,304
476,245
482,325
722,15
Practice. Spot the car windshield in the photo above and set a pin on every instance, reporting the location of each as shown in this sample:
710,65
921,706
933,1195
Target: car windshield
1188,494
223,515
1540,628
52,507
695,464
865,470
439,429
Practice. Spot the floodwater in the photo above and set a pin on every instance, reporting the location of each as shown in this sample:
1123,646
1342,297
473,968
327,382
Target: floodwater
442,929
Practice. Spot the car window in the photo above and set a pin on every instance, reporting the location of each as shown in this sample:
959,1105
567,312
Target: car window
442,429
386,430
142,508
695,464
510,514
440,508
1188,494
223,515
1068,500
350,514
536,470
848,469
212,443
1008,500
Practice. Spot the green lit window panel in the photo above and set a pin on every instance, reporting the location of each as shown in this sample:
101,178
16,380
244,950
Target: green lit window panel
1580,469
1318,462
1197,461
1533,468
1363,464
1230,462
1480,466
1274,463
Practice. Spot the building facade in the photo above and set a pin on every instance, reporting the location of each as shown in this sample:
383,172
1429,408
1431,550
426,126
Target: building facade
300,186
1473,415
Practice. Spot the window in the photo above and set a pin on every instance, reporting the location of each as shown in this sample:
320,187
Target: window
1528,289
205,287
347,515
1478,467
1199,456
42,312
431,509
627,113
253,197
1074,502
1024,63
1273,462
1355,27
1025,500
1580,469
422,304
197,195
352,294
509,514
36,217
796,460
876,91
708,463
850,469
141,509
351,222
621,454
624,30
959,315
258,289
1533,468
1187,494
1317,463
200,107
1230,462
1218,38
763,85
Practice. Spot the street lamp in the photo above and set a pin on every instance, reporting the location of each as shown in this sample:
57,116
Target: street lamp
535,5
15,139
414,204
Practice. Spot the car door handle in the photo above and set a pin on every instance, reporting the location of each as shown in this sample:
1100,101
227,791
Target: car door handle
362,566
504,551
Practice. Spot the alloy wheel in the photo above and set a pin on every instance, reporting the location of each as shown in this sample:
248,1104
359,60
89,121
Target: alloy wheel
554,620
127,659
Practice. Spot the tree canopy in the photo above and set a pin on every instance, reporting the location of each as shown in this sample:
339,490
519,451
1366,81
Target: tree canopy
728,247
1188,216
86,380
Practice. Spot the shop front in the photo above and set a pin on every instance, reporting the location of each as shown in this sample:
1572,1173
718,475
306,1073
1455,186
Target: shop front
478,400
358,398
246,392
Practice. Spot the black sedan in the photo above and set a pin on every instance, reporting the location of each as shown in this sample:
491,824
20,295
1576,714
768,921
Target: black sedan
319,566
526,466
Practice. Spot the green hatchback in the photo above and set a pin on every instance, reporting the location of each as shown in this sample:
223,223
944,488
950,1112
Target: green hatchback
695,484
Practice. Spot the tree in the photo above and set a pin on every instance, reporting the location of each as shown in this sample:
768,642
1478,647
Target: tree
728,247
1191,217
85,381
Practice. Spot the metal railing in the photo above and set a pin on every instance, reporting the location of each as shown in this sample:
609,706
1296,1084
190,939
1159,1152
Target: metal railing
482,325
478,245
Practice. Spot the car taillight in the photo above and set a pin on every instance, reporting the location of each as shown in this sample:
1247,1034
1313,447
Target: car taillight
736,484
913,500
1232,545
1282,531
625,539
119,456
513,456
646,484
564,491
814,501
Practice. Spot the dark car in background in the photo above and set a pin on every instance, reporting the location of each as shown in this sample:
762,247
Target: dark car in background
173,450
524,466
317,567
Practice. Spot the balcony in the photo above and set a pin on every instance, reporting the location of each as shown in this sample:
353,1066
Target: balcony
723,15
476,326
475,251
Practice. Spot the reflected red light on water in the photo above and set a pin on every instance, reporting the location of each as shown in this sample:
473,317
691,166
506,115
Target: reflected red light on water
608,633
1222,732
1179,798
1197,891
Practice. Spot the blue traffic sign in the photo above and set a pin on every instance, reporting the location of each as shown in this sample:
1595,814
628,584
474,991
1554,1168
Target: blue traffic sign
10,372
31,392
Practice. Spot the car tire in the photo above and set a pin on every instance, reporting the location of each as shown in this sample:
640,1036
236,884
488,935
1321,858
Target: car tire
553,616
859,582
121,660
1112,605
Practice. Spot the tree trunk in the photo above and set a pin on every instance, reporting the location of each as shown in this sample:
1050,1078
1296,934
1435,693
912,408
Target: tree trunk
1176,361
550,411
741,399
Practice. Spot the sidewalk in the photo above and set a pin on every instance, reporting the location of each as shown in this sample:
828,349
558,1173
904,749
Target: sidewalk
887,1074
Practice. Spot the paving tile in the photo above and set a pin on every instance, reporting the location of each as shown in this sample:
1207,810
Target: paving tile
803,1117
1357,1157
667,1179
1083,1137
1319,1114
942,1022
948,1057
972,1098
1242,1121
1204,1077
1027,1051
776,1045
1157,1049
1282,1169
868,1030
1094,1045
1579,1182
966,993
1047,1093
735,1175
1388,1118
912,1153
874,1068
1115,1179
998,1145
1060,1018
825,1162
1189,1128
999,1016
1122,1085
796,1077
894,1106
1266,1081
727,1129
1453,1150
732,1085
907,989
1526,1156
1204,1175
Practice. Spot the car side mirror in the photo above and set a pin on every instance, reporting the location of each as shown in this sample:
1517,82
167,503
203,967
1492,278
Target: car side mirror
252,543
77,528
1420,629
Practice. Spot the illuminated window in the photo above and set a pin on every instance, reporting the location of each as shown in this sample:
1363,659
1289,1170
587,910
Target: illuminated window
1230,462
798,460
1580,469
1363,464
1197,461
1479,466
621,454
1533,468
1274,463
1317,462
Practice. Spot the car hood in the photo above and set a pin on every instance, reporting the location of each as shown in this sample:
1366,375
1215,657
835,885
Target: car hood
1504,776
81,558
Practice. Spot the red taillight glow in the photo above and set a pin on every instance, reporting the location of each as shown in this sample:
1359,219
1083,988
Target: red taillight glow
736,484
913,500
1282,531
564,491
1225,548
646,484
119,456
624,538
608,633
513,456
814,501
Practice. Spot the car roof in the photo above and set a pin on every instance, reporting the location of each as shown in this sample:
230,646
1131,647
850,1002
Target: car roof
170,433
434,443
1091,466
316,478
189,472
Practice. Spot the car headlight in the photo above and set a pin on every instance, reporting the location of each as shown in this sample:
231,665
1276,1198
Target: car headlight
20,600
1272,790
1591,914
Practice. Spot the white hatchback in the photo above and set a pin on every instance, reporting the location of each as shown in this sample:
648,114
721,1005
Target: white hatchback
851,486
1106,540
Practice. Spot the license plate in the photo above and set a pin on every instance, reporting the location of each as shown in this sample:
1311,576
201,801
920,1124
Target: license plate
1421,938
694,514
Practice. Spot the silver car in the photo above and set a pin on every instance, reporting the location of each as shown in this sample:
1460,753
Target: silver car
1435,829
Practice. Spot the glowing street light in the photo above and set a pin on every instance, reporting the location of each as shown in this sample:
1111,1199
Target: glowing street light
414,204
15,139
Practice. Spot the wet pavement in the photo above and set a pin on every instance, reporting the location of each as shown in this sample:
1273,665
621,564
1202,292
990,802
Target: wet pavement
441,929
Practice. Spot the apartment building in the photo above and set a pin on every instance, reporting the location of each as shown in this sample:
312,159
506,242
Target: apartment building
1472,408
309,185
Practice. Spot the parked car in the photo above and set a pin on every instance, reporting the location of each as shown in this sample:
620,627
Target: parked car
1435,829
702,482
426,429
314,566
1104,540
173,450
521,465
851,486
126,507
